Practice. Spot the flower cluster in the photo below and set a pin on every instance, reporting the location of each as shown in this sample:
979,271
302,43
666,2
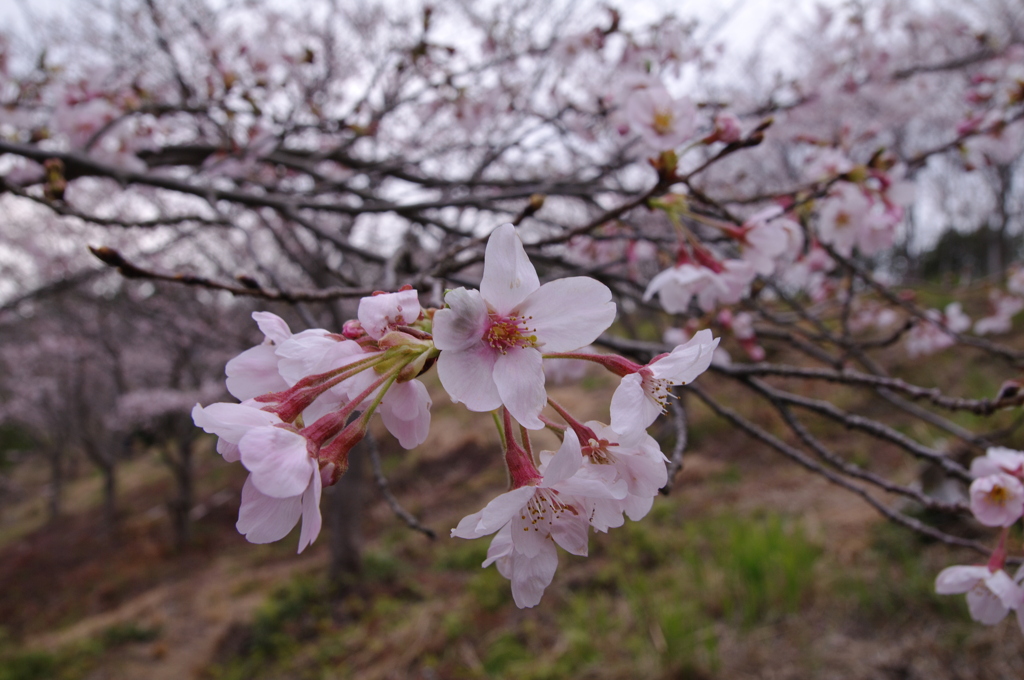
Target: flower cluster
307,399
997,500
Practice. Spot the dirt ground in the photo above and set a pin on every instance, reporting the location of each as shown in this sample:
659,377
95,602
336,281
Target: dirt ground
66,582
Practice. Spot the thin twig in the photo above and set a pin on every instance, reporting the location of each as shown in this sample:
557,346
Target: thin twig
382,484
675,463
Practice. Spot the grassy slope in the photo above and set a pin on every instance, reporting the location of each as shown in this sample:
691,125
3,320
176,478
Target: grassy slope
751,568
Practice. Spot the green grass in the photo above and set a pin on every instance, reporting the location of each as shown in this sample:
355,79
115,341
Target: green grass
73,661
897,581
650,600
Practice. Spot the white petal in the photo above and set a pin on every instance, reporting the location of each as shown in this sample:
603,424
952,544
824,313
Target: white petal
495,514
501,546
985,606
405,411
278,460
519,376
531,575
502,509
571,534
229,451
230,422
300,355
687,361
254,372
262,519
509,275
1003,587
566,462
378,312
467,527
959,579
468,377
637,507
462,325
311,520
568,313
274,327
530,534
631,408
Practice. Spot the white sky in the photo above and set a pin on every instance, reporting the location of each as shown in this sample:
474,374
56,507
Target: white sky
747,22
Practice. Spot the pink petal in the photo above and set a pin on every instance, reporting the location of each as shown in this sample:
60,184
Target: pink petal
299,356
405,411
571,534
278,460
985,606
592,486
631,408
687,361
229,451
566,462
532,575
467,527
509,275
529,534
519,376
230,422
262,519
462,325
495,514
467,376
959,579
1005,588
637,507
568,313
254,372
501,546
378,312
504,508
311,520
274,327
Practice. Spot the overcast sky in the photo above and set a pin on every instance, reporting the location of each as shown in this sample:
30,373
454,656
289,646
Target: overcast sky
740,23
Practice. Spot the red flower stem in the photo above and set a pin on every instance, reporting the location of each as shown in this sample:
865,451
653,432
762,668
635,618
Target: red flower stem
521,468
584,433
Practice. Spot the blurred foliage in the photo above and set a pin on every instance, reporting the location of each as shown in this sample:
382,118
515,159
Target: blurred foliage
71,662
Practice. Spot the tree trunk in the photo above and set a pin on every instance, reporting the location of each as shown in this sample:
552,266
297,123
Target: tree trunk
344,505
56,482
110,497
182,505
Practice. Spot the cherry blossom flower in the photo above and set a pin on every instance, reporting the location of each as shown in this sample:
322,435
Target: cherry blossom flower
1001,321
998,459
255,371
405,407
1015,282
642,395
997,500
767,237
382,311
284,483
542,510
727,129
808,273
265,519
928,337
491,340
828,163
677,286
230,422
990,594
842,217
663,122
633,458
